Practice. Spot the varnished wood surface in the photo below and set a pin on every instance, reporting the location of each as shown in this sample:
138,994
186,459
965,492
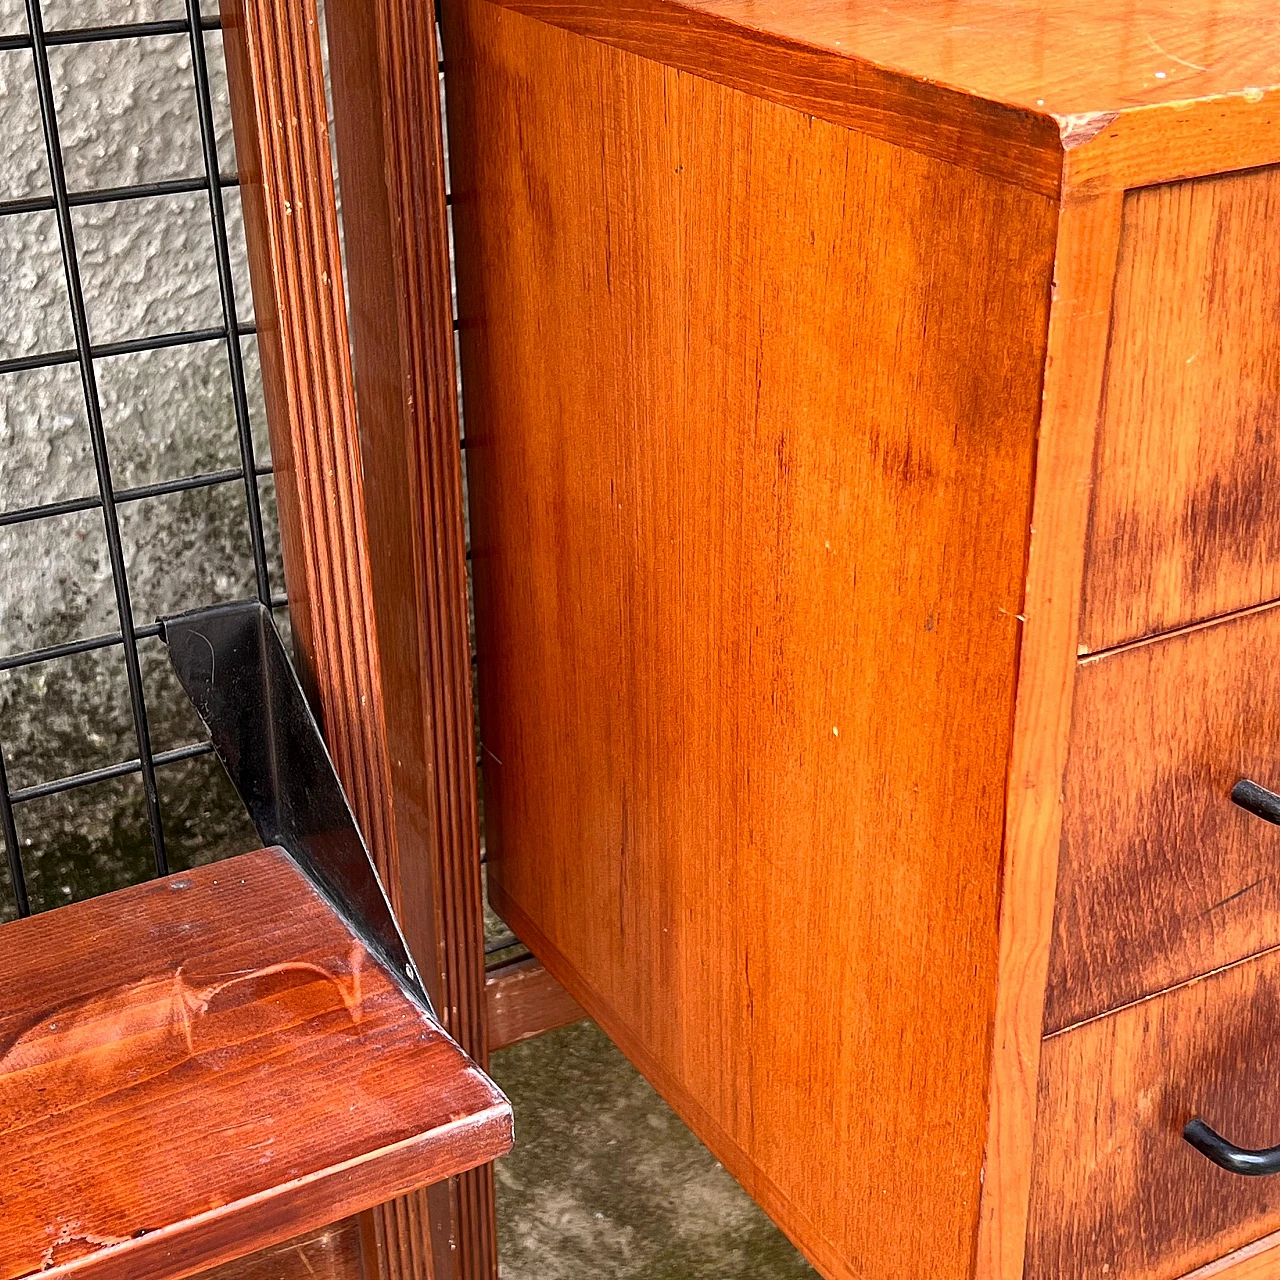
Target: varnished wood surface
827,82
1117,1191
524,1001
1257,1261
328,1253
1147,91
342,600
1054,56
197,1067
1161,877
1186,509
739,389
1088,237
386,103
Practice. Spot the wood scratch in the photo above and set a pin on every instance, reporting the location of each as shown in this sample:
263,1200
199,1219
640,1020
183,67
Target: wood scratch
111,1022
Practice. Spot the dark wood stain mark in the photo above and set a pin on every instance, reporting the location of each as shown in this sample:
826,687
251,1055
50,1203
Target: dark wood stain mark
1156,861
1185,523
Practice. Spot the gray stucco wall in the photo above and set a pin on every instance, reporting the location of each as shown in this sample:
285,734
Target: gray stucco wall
127,113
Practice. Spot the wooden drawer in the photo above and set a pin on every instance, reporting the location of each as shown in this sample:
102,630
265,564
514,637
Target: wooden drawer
1185,520
1116,1191
1161,877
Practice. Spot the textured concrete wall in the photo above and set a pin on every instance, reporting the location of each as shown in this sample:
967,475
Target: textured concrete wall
127,113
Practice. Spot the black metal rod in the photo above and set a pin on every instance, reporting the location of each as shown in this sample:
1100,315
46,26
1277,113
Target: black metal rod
16,878
124,347
114,195
129,31
226,289
208,480
93,409
70,648
107,772
47,510
122,31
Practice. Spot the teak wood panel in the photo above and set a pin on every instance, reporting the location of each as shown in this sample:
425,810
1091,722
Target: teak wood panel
1047,56
202,1065
751,405
1150,91
1161,877
1117,1191
1186,509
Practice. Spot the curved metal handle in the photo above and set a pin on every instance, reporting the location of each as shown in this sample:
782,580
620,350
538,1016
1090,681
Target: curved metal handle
1226,1155
1257,800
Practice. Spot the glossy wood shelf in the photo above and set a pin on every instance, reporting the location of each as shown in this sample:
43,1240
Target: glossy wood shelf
204,1065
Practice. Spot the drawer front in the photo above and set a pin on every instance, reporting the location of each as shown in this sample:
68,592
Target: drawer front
1116,1192
1161,877
1185,521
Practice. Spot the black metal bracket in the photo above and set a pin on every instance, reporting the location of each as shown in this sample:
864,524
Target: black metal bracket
234,669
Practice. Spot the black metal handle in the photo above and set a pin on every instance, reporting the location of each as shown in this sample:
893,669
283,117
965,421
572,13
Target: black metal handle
1226,1155
1210,1144
1258,800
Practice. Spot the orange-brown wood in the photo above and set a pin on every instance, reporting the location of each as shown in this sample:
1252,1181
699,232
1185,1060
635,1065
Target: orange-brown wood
1161,876
704,362
1005,86
197,1067
747,609
386,102
524,1001
1117,1191
1257,1261
1186,508
351,603
1088,237
330,1252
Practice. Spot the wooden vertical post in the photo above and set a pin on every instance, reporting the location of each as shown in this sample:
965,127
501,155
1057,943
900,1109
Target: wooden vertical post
371,507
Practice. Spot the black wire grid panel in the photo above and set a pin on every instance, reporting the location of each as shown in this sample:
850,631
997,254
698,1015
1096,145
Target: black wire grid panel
84,354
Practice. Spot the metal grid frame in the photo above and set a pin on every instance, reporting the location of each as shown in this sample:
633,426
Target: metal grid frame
502,947
84,354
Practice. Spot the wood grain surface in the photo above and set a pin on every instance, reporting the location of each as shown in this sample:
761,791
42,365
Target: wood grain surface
1161,877
524,1001
1088,237
1186,509
1147,91
1117,1191
740,390
197,1067
335,557
386,103
330,1252
1257,1261
1048,55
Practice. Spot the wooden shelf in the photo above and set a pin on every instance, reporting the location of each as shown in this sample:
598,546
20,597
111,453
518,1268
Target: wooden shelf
204,1065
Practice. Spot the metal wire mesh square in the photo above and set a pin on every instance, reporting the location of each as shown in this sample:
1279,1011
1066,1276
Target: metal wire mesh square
126,315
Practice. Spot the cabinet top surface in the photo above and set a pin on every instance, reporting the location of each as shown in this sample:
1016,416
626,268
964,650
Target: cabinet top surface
1059,57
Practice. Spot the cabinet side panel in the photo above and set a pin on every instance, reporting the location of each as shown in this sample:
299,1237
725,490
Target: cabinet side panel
750,408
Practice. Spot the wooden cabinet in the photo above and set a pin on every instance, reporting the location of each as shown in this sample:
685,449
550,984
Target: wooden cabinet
856,399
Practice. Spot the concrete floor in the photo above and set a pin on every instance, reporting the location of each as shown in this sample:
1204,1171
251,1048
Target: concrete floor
605,1181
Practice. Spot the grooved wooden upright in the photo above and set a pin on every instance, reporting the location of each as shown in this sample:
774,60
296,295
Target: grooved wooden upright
282,141
383,60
